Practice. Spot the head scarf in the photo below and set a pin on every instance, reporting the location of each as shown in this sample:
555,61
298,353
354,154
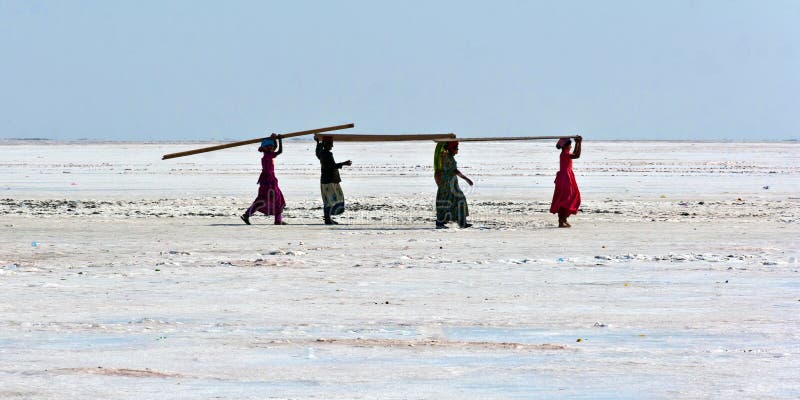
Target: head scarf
563,142
437,157
437,154
268,142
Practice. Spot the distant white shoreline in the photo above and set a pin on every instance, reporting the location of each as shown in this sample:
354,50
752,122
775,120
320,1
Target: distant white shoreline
11,141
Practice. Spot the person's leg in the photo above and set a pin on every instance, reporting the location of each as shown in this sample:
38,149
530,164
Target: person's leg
440,220
336,200
442,205
253,208
279,219
327,212
562,218
250,211
461,214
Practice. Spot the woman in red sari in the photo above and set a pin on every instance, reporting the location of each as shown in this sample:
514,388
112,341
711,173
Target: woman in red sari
566,197
270,199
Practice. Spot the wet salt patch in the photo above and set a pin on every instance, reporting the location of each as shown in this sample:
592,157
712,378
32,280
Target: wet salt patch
117,323
390,337
482,375
551,388
288,387
86,341
10,267
154,321
314,333
618,340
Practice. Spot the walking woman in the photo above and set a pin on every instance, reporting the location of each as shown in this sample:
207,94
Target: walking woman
566,196
270,199
332,195
451,204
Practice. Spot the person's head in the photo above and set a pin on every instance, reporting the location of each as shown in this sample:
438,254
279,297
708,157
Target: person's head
452,147
564,143
267,145
327,142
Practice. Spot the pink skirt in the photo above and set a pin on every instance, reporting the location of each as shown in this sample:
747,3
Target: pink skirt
269,201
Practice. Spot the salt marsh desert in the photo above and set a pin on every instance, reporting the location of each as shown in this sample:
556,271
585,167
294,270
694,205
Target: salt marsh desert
125,276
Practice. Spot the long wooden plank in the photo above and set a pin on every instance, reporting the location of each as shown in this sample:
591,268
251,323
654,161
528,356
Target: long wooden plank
251,141
342,137
492,139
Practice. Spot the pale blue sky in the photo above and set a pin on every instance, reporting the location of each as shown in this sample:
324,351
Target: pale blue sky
168,70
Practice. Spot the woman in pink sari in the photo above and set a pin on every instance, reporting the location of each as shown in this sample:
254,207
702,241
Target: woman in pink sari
270,199
566,197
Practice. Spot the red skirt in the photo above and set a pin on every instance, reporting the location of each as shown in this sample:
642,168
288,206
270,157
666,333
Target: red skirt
566,196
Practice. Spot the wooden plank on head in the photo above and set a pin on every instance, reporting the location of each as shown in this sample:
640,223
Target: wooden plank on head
498,139
251,141
384,138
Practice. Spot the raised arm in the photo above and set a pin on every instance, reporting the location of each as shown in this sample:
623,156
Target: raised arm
280,147
577,152
319,149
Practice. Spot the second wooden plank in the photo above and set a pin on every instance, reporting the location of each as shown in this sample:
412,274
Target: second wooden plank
383,138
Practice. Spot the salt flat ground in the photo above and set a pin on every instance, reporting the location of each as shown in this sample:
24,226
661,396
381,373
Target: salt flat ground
124,276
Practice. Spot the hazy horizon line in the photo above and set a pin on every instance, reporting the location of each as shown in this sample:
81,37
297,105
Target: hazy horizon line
299,139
